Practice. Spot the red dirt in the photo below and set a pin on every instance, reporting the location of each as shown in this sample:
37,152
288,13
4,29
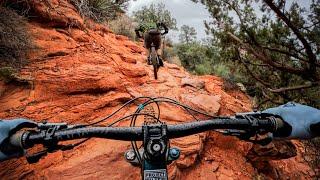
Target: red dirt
83,72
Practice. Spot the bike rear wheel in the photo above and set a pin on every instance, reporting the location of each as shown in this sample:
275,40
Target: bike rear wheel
154,60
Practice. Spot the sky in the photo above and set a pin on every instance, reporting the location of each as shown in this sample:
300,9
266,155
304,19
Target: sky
186,13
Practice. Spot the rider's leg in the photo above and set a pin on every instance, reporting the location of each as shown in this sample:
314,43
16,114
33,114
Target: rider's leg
147,45
149,57
159,56
157,42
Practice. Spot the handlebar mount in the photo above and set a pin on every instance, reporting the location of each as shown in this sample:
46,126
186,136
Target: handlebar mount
156,145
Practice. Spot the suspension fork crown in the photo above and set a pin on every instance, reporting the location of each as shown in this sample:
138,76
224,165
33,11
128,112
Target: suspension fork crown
156,150
155,142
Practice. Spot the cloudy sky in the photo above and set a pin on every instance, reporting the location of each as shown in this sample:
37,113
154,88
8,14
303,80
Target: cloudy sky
186,12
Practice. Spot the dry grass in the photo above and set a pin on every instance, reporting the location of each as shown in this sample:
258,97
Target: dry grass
100,10
312,154
123,25
15,42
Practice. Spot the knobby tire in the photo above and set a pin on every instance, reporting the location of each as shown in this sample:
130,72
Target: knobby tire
154,60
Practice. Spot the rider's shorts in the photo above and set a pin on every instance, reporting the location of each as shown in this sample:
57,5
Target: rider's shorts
152,36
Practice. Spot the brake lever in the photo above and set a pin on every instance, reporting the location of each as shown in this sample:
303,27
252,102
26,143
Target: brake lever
263,142
253,130
50,144
35,157
241,134
244,135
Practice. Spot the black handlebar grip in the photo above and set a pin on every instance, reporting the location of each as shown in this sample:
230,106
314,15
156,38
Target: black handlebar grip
283,129
16,139
315,129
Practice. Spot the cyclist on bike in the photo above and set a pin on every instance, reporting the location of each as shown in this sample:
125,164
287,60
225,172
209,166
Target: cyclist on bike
151,33
303,120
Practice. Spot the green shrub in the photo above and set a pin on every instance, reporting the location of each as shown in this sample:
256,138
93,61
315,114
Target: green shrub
155,12
7,74
123,25
192,54
221,70
203,69
168,53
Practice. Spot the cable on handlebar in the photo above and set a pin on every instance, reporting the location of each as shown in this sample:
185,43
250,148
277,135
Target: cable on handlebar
153,100
187,108
131,115
126,104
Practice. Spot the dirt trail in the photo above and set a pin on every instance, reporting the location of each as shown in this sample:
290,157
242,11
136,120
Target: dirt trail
83,72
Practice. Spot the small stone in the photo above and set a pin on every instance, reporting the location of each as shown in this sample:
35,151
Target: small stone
215,166
308,158
209,159
227,172
172,66
312,173
208,103
196,83
224,177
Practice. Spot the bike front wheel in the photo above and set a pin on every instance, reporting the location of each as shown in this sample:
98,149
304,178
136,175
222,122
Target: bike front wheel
154,60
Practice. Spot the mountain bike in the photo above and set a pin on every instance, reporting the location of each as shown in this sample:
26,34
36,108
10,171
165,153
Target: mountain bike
155,35
155,153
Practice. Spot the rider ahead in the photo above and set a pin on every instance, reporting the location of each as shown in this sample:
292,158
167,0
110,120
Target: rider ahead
151,33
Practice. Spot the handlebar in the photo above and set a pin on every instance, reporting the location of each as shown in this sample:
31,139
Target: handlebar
156,154
29,138
165,28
